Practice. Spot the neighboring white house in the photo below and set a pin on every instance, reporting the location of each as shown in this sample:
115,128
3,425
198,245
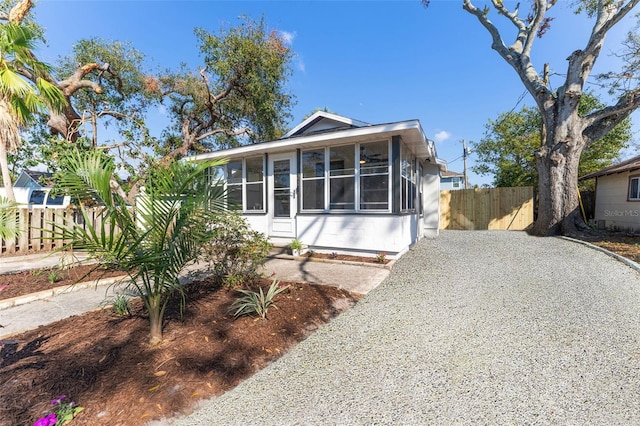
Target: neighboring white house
338,184
618,196
451,180
30,191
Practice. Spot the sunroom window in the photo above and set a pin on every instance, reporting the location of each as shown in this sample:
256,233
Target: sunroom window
234,184
255,184
313,180
374,176
346,178
245,184
408,180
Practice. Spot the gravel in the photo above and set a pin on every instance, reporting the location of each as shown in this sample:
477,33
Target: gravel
482,327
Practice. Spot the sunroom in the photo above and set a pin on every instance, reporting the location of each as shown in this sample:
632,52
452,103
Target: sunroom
338,185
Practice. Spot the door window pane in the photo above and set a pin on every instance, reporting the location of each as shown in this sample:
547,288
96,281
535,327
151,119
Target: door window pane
282,188
342,177
281,176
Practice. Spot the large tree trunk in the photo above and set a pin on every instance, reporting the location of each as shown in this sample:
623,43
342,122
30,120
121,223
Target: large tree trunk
557,163
6,176
9,142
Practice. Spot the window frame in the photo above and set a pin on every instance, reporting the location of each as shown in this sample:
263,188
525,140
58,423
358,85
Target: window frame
631,179
408,184
242,207
356,178
314,178
246,183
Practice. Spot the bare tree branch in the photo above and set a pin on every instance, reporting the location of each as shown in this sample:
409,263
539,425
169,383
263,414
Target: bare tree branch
515,54
240,132
599,123
19,11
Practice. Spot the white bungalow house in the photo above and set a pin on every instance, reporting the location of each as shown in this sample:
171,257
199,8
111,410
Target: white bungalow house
338,185
618,196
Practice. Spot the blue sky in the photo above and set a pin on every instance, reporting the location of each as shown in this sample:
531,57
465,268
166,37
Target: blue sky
375,61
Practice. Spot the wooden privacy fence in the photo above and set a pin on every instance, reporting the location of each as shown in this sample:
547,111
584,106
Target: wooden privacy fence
36,226
487,208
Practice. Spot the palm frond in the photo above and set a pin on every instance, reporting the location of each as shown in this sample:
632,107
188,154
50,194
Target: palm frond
12,84
51,95
8,219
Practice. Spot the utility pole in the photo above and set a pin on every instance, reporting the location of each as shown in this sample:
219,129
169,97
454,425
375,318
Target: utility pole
465,152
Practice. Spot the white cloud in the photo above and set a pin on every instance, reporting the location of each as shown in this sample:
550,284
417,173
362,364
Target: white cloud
300,63
442,136
287,36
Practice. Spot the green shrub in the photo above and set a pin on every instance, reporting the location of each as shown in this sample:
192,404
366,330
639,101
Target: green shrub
53,276
236,252
256,302
120,304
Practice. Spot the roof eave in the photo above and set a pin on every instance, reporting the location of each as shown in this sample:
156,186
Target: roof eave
410,130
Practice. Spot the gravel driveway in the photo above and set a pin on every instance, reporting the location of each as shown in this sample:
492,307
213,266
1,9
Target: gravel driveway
473,327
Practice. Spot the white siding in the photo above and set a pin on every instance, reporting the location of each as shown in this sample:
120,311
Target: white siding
364,234
612,206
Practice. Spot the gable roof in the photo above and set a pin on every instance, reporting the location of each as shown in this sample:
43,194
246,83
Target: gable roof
324,128
322,121
625,166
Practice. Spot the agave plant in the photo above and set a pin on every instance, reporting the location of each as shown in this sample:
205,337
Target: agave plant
153,241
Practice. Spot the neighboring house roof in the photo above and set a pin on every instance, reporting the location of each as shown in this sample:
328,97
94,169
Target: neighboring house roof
450,174
32,179
323,127
625,166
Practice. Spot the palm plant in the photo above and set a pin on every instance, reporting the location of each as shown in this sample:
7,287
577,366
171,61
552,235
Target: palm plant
8,224
154,241
19,99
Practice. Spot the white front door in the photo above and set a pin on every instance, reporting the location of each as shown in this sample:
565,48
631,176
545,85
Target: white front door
282,195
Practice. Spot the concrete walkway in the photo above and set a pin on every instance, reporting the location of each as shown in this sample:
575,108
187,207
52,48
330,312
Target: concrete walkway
30,311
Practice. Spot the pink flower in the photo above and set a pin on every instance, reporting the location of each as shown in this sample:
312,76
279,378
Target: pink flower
58,400
48,420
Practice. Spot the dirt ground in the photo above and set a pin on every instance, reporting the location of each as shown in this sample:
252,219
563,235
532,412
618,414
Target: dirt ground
625,245
121,380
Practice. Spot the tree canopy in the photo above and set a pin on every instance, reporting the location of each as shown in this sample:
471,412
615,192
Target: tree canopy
508,147
237,96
